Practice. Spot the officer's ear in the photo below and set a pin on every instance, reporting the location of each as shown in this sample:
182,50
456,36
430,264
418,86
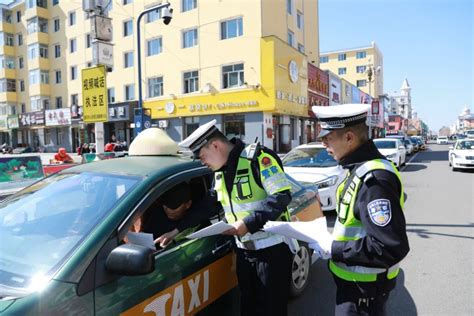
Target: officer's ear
350,137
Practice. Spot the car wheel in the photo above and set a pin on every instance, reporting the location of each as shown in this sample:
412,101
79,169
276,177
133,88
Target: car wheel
453,169
300,270
450,162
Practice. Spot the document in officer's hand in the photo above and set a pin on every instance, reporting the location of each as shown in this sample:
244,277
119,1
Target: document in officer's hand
309,232
142,239
214,229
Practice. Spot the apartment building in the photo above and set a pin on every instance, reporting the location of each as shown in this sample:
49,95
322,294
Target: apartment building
243,63
353,65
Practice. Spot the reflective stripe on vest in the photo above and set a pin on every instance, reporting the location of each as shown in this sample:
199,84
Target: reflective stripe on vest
247,196
347,227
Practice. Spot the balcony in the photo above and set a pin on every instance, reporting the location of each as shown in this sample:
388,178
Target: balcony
39,89
38,37
38,62
8,97
37,11
7,50
7,27
7,73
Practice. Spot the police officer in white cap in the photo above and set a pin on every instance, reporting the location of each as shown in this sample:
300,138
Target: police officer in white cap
253,189
369,238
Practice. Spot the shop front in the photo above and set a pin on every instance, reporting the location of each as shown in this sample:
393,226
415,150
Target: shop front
117,128
13,125
30,125
273,111
57,132
318,95
4,131
334,89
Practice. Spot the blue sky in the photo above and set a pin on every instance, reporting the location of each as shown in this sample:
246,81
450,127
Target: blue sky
430,42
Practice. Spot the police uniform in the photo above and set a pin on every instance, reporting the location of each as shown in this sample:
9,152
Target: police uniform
253,187
369,236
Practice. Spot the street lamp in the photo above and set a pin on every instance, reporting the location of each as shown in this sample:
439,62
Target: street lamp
166,16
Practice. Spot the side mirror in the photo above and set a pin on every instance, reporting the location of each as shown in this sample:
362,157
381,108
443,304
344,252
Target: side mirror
401,147
130,259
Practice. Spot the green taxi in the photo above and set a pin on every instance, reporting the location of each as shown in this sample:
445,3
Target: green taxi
62,249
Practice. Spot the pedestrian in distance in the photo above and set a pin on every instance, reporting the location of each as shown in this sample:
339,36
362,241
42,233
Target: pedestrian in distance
369,238
252,188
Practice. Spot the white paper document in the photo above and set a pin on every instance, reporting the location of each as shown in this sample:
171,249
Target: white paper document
142,239
304,231
214,229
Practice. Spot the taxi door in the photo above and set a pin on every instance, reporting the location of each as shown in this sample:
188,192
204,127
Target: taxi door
188,276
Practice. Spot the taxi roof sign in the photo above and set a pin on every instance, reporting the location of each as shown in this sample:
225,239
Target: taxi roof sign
153,142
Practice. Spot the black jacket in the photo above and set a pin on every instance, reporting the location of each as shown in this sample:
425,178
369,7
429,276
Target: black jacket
385,245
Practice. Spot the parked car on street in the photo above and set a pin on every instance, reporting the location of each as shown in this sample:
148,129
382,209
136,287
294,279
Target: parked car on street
393,149
311,163
62,249
461,155
442,140
418,140
409,146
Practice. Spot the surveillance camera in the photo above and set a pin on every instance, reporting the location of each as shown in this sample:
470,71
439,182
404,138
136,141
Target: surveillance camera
167,15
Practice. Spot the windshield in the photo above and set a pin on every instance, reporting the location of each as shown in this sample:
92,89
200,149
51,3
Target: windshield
465,145
442,137
309,157
43,224
385,144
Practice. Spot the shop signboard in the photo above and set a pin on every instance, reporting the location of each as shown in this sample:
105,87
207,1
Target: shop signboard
58,117
3,122
94,95
318,88
121,111
355,95
334,89
31,119
12,121
346,92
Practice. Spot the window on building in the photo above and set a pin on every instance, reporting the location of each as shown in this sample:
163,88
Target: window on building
190,125
125,2
59,102
360,69
360,55
234,126
18,16
299,20
190,38
301,48
89,64
342,71
23,108
232,76
289,6
44,77
154,46
58,76
7,62
188,5
19,38
72,18
291,38
128,59
72,45
21,62
191,81
361,83
127,28
43,51
7,85
33,50
40,3
323,59
57,25
155,87
129,92
231,28
111,95
341,57
57,51
34,76
55,2
73,72
74,99
88,40
153,16
22,85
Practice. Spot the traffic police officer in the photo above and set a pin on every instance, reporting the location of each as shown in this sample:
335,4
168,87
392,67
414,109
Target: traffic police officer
369,238
250,184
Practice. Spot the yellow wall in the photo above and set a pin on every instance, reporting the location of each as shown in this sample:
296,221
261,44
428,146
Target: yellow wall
373,57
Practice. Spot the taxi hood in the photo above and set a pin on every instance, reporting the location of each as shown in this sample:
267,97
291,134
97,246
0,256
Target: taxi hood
153,142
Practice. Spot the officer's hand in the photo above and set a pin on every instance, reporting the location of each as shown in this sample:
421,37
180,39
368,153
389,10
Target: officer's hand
239,229
166,238
320,251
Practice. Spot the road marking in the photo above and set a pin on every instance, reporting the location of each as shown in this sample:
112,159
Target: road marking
408,163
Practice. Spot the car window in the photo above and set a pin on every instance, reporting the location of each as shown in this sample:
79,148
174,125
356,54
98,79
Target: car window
385,144
465,145
309,157
42,224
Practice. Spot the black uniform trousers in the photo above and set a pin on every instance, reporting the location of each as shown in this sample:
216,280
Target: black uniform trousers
362,298
264,280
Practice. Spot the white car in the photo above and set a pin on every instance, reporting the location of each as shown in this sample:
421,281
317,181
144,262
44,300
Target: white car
393,149
409,146
311,163
461,155
442,140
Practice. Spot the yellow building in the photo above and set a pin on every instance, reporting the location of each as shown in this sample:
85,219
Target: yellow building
353,65
221,59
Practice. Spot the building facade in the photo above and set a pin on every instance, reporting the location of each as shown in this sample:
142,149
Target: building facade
216,59
353,65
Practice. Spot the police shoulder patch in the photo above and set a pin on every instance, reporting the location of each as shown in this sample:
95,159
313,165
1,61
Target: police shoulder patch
380,212
266,161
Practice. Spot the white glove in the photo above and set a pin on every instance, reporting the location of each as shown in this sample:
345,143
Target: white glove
323,246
